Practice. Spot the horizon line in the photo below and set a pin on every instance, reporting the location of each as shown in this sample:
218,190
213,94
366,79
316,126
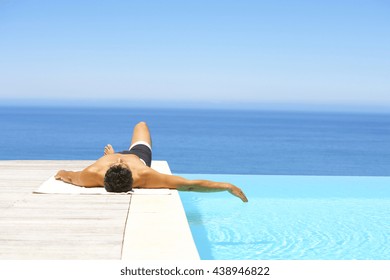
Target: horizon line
196,104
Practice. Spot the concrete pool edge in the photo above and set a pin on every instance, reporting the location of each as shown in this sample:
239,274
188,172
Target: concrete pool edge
157,227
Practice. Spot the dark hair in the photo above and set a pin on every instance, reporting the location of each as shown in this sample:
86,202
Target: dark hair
118,179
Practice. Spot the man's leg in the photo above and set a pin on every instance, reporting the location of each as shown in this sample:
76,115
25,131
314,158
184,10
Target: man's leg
141,133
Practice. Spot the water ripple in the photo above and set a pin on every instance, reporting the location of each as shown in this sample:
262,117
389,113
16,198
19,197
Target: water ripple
302,229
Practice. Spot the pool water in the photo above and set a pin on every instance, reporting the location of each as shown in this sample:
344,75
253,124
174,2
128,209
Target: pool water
292,218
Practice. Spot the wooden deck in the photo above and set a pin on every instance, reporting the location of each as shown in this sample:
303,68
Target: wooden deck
55,226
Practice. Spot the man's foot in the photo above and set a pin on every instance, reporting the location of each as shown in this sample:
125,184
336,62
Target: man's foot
108,150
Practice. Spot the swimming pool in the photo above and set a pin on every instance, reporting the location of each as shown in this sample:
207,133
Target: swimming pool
292,218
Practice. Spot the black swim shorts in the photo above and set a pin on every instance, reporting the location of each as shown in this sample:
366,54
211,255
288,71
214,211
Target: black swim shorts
142,150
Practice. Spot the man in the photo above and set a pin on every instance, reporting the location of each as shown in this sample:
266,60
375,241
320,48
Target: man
120,172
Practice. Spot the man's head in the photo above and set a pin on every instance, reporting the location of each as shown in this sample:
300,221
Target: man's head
118,178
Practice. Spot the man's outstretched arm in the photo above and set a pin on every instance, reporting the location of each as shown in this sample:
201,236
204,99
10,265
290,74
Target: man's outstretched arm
210,186
182,184
83,178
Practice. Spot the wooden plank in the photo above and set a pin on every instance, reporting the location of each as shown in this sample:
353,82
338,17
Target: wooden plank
62,249
34,226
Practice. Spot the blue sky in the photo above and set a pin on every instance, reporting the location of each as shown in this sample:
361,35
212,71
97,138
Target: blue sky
198,52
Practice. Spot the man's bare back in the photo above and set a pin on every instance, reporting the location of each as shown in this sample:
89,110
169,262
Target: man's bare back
142,175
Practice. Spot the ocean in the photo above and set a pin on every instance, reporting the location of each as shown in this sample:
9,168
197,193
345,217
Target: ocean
205,141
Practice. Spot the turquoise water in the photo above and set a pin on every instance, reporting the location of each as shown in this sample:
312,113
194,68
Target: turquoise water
292,218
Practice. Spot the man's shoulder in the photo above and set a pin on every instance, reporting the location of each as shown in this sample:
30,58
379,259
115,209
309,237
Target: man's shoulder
154,179
92,169
95,169
144,172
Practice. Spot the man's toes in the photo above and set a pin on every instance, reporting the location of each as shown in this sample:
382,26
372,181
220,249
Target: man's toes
108,149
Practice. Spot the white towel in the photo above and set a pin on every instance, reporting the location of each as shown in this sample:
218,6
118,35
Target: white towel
53,186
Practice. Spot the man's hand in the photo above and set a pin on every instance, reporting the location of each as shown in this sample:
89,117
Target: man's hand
237,192
59,175
64,176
